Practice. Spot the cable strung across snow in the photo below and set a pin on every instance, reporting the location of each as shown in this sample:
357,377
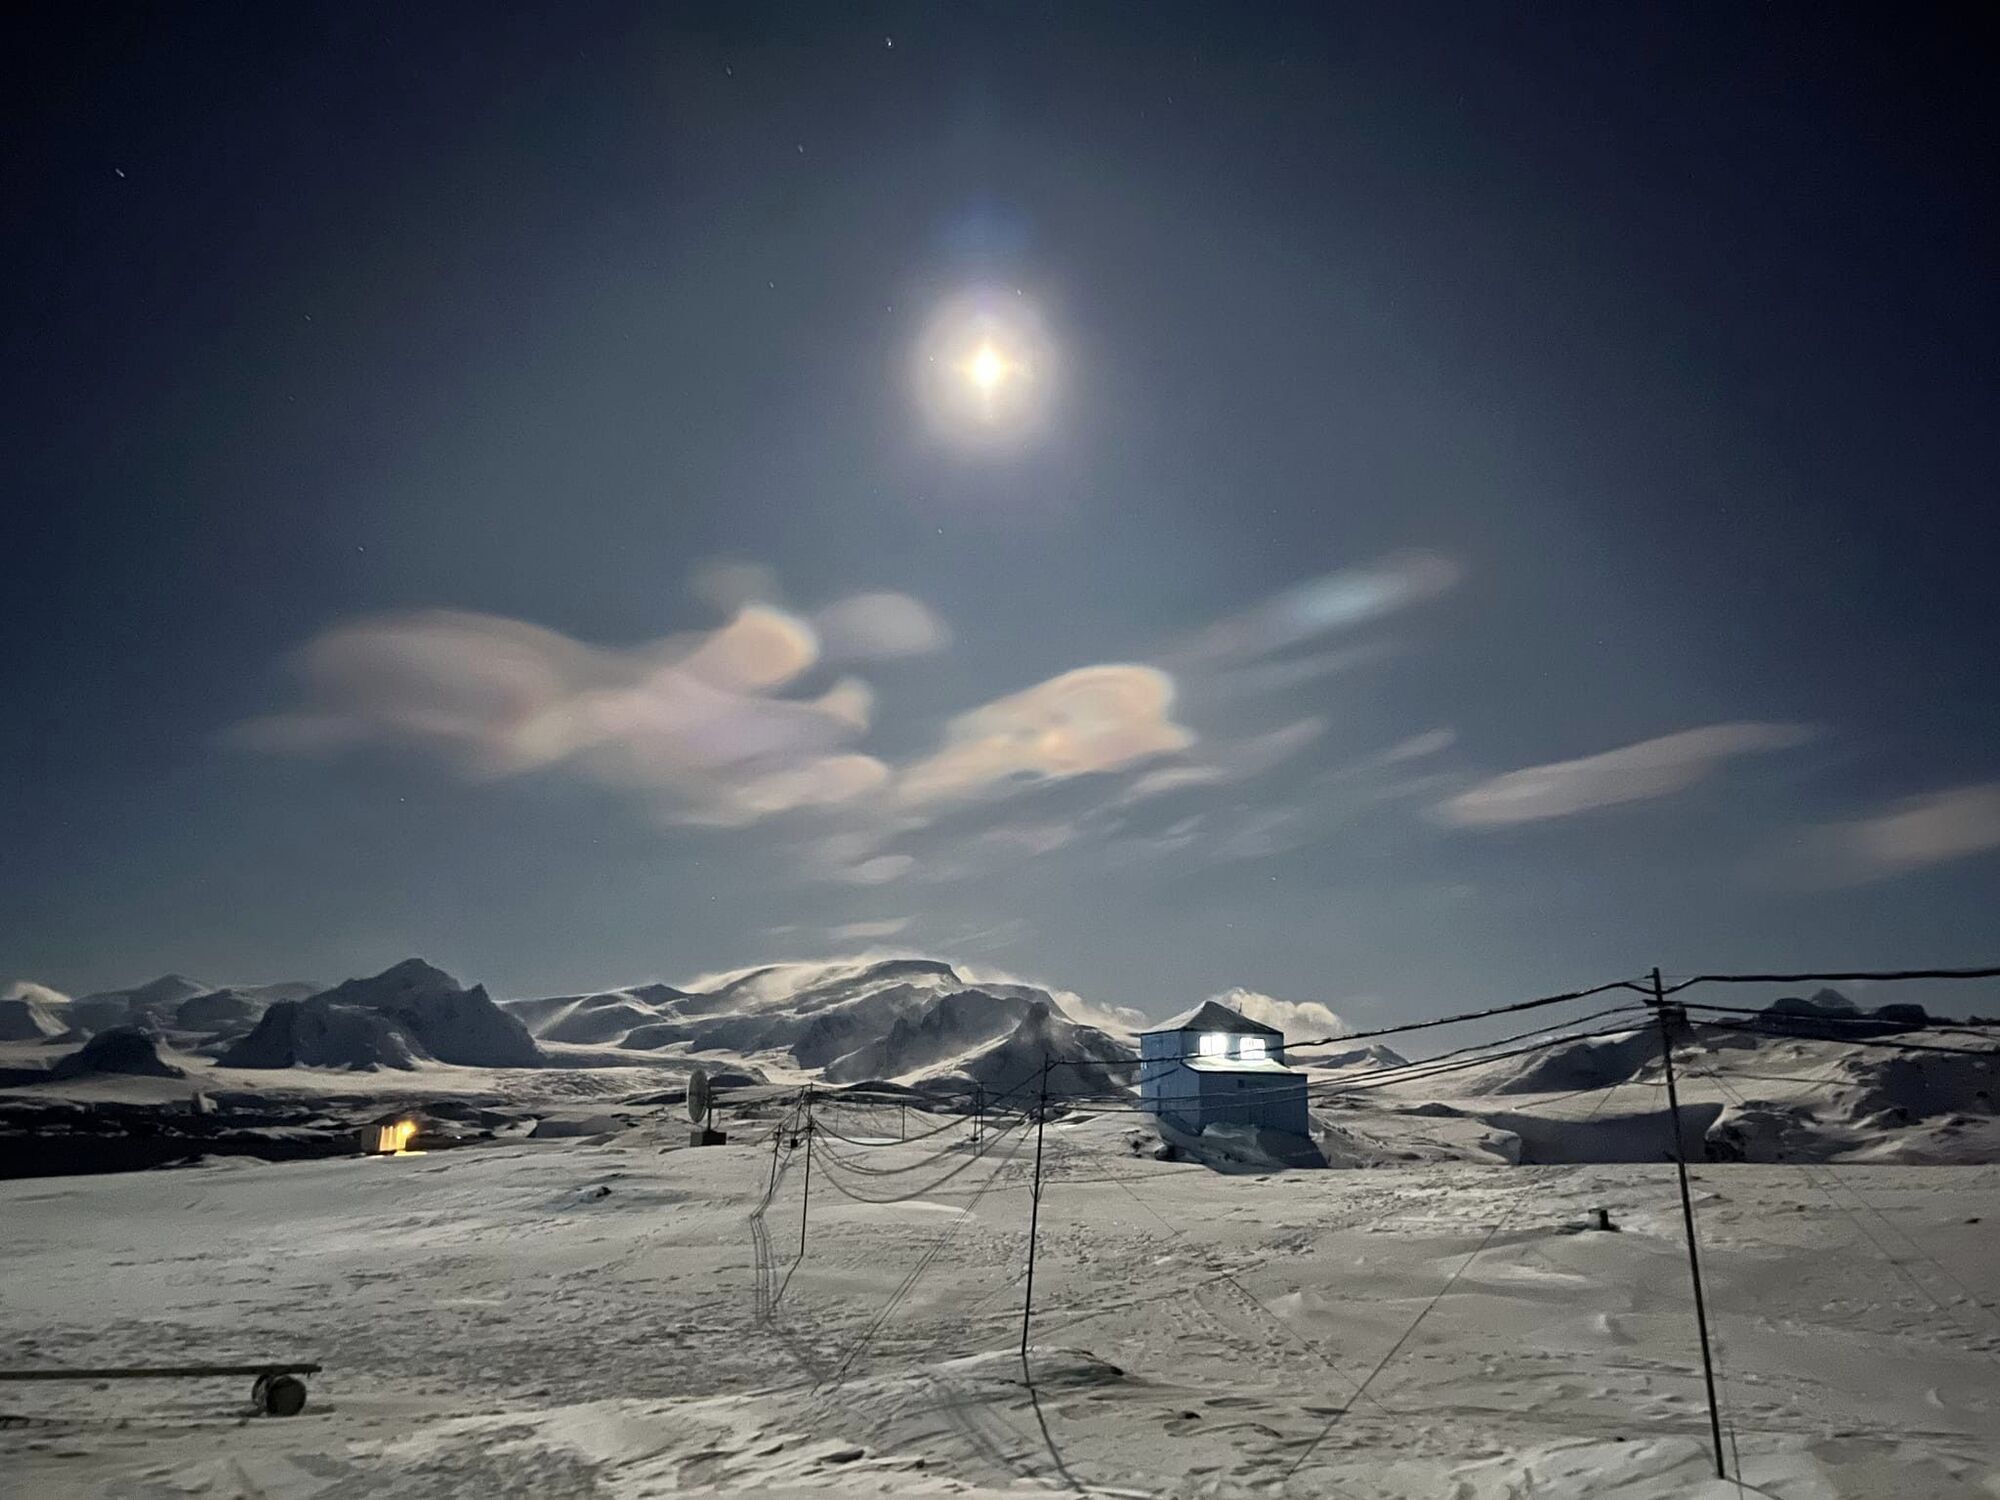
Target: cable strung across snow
819,1166
825,1130
909,1282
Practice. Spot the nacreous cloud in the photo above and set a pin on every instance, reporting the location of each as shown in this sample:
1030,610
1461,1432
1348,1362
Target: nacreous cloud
1092,719
1907,836
1631,773
696,719
1320,607
872,627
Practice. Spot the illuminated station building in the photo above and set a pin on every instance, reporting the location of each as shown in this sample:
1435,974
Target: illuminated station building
1212,1066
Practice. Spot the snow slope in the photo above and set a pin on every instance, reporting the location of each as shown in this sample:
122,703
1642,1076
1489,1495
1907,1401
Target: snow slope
1766,1097
611,1320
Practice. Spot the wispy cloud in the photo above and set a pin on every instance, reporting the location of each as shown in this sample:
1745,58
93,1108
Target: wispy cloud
746,722
1094,719
886,928
1230,761
1914,834
701,721
1029,838
35,994
1631,773
1321,607
727,584
1300,1020
880,626
875,869
1418,747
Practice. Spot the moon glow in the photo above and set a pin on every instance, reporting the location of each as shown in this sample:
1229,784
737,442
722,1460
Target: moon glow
985,372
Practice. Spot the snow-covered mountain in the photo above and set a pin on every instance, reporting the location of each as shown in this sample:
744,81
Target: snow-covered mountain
141,1005
122,1049
406,1014
26,1020
918,1022
1372,1055
1783,1084
914,1021
171,1005
604,1018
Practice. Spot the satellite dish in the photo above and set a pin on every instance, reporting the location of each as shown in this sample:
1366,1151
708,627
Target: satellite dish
698,1097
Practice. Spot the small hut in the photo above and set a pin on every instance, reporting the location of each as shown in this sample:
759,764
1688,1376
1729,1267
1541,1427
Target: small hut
404,1133
1213,1065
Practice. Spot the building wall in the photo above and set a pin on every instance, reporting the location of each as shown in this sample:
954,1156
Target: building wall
1165,1086
1189,1100
1262,1100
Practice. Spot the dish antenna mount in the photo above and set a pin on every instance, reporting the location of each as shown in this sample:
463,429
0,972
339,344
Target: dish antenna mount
701,1108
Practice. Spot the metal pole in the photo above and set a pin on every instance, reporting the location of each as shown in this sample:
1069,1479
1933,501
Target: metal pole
1661,1009
906,1121
805,1197
978,1111
1034,1211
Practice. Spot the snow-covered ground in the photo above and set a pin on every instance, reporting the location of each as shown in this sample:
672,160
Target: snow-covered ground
615,1318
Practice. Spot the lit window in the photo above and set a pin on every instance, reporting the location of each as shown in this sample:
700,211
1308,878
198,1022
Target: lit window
1252,1049
1214,1044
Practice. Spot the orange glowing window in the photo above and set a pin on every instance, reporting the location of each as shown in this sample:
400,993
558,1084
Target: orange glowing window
394,1140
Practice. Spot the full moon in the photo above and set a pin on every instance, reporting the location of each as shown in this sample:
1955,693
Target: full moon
988,368
985,371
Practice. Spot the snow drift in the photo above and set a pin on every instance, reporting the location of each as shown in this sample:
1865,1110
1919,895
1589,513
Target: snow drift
1591,1063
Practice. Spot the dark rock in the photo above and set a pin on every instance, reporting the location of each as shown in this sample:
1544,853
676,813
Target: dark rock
123,1049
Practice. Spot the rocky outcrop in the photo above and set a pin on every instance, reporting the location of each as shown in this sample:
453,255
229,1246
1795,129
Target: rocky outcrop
122,1049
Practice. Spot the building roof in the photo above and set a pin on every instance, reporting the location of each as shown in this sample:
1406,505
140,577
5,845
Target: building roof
1211,1015
1239,1065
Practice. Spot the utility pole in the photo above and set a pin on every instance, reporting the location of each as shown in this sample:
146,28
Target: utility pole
805,1198
1667,1015
1034,1212
905,1121
978,1111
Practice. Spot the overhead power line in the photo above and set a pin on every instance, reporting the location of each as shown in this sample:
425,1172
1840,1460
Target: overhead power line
1519,1036
1832,1018
1351,1037
1862,1041
1421,1072
1851,976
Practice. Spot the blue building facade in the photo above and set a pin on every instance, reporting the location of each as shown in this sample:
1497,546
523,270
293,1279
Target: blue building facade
1213,1065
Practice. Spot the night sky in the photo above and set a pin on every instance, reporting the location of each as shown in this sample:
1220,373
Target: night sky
1399,506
